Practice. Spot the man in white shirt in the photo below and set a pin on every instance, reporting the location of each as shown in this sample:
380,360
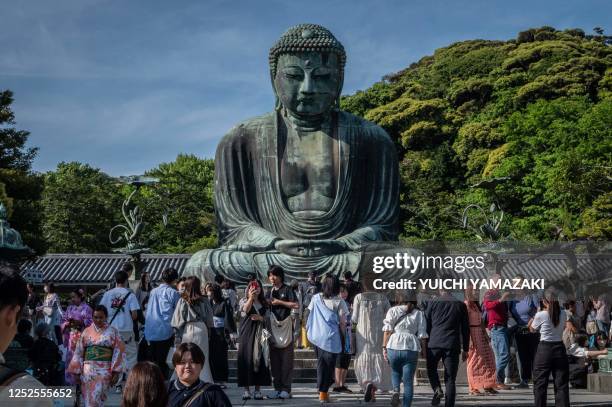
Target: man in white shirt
122,306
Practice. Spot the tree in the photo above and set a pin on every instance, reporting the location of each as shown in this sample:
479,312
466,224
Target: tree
80,206
185,195
20,189
13,153
535,111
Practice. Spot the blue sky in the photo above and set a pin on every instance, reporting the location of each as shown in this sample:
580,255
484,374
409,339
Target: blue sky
126,85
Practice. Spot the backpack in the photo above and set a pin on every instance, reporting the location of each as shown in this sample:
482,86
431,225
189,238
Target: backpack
322,327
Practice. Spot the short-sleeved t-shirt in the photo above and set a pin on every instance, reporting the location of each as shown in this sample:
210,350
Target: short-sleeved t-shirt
284,293
337,305
112,299
548,332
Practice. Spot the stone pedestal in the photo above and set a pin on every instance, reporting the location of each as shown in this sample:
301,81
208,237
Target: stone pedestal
600,383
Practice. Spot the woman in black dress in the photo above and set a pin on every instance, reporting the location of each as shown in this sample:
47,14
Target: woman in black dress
223,325
252,368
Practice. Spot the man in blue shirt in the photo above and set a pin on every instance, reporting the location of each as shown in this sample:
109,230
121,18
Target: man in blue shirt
158,331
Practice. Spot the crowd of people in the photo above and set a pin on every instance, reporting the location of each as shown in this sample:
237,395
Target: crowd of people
168,345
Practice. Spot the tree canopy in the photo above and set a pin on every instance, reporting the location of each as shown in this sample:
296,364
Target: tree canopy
535,112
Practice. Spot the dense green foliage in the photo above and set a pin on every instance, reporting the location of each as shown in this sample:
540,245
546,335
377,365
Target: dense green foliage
81,204
536,109
20,189
185,195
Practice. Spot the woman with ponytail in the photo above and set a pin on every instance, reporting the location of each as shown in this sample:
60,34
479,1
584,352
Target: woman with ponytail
551,354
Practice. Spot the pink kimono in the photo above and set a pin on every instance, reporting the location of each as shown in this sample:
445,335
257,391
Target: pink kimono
71,335
98,354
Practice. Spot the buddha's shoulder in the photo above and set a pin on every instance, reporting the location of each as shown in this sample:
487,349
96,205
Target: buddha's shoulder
254,123
369,129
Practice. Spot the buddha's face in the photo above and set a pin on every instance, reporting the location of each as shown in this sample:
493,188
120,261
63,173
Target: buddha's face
307,83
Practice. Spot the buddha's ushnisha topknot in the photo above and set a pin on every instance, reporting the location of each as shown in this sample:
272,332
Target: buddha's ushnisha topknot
306,38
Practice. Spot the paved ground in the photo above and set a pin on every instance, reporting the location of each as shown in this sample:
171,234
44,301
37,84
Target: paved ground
306,396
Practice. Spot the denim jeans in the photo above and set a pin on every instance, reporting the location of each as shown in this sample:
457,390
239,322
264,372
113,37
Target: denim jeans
501,349
403,365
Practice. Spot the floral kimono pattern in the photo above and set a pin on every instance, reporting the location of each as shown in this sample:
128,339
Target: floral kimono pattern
98,354
71,334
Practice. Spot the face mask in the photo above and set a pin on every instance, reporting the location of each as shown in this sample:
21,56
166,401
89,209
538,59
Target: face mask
46,289
181,290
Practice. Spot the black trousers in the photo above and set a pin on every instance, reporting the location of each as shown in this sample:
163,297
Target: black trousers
158,350
450,359
526,345
326,364
281,367
550,358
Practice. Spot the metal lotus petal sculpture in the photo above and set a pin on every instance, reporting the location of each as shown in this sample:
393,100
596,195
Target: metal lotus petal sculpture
131,232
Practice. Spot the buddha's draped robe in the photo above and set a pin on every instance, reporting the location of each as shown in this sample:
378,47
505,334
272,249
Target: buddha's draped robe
251,209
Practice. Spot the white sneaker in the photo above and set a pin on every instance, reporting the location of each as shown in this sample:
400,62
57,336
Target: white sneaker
284,395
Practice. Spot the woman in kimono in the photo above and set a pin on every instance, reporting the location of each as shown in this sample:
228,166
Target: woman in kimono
481,360
77,317
52,312
253,369
223,325
192,321
98,359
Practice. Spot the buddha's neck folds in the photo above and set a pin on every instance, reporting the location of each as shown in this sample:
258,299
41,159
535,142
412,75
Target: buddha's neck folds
306,123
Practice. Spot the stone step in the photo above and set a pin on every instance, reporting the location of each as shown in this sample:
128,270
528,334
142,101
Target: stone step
297,363
298,354
299,375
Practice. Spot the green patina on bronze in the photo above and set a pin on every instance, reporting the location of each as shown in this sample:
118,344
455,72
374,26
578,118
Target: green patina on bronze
306,186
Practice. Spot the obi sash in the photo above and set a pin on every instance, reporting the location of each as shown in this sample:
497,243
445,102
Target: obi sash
96,353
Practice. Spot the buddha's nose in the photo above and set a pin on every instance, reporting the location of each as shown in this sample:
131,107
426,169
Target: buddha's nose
307,87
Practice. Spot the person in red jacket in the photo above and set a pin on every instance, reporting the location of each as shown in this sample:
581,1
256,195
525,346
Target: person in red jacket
497,323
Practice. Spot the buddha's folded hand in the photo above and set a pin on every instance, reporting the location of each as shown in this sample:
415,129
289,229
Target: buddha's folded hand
310,248
243,247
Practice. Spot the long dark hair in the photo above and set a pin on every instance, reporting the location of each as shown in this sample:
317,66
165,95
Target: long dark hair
145,287
193,290
261,297
217,294
330,286
145,387
553,308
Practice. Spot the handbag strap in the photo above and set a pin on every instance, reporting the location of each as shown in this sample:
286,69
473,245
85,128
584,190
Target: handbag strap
401,318
197,394
121,304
